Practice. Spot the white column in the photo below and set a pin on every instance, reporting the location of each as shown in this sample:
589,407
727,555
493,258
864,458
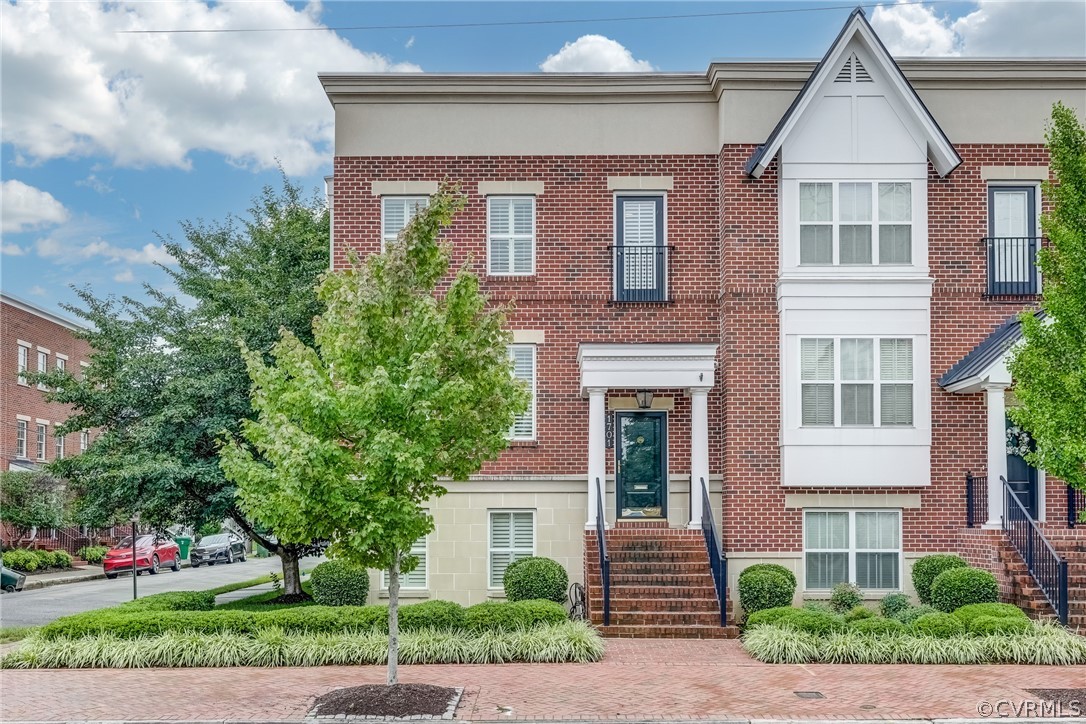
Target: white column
997,450
597,450
699,450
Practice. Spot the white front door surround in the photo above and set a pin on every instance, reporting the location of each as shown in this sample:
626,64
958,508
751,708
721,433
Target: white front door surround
690,367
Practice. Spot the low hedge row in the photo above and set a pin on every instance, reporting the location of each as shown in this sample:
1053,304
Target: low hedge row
28,561
171,601
437,615
93,554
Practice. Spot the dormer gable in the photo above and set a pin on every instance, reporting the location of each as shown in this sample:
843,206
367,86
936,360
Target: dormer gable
857,107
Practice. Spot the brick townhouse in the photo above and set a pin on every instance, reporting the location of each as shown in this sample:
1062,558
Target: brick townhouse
782,289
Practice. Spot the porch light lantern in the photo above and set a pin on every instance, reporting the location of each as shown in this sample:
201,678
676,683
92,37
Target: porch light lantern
644,399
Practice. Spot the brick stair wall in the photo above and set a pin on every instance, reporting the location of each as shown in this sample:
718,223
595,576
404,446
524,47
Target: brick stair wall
661,584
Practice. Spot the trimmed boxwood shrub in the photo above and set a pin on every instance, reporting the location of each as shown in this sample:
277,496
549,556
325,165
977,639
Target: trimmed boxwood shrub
173,601
912,613
339,583
938,625
813,622
858,613
541,612
893,604
984,625
535,578
775,567
845,597
927,568
769,616
879,626
959,587
21,559
92,554
1002,610
765,589
494,616
444,615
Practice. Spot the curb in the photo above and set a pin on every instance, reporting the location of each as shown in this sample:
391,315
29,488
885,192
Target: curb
826,720
33,585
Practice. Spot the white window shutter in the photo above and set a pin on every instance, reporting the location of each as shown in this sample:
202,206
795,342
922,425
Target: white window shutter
511,235
416,579
512,536
523,361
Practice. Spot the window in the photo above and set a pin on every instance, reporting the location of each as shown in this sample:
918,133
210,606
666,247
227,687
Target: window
397,212
838,226
416,579
858,546
511,235
1012,242
84,441
62,364
58,446
640,254
41,440
842,385
512,536
43,366
20,438
24,363
522,357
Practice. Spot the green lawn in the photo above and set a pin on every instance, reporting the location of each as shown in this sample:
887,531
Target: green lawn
257,602
15,633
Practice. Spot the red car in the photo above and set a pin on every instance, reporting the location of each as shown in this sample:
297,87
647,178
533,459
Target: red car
152,552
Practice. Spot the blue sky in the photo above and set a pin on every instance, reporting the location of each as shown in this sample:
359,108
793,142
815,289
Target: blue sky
110,139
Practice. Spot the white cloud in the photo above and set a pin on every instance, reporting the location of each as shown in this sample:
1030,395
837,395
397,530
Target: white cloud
25,207
410,43
74,86
11,249
96,184
84,239
993,29
594,53
124,276
38,291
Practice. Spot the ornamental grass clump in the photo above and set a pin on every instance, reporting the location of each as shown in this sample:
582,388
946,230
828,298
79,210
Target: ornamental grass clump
781,645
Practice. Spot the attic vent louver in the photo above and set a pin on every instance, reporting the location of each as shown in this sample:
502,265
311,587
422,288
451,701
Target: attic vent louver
862,76
845,74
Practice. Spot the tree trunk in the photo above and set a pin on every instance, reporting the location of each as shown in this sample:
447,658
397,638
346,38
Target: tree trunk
393,620
292,577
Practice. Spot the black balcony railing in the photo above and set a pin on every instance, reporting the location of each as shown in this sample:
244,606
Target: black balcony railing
1047,567
1012,265
717,562
1076,504
976,500
641,273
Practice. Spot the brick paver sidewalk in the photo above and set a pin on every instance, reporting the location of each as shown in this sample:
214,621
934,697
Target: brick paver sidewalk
638,679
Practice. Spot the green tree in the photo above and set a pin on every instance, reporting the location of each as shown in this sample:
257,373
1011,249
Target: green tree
166,377
31,499
404,386
1049,367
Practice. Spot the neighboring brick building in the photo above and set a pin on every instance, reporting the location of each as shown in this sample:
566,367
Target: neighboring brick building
760,277
33,339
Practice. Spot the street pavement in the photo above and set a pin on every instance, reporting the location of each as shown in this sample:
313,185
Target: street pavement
638,680
37,607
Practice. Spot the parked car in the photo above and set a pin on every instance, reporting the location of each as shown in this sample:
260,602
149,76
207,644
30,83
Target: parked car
152,552
10,581
212,549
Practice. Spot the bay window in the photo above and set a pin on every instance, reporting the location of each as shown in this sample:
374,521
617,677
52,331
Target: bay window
840,223
856,381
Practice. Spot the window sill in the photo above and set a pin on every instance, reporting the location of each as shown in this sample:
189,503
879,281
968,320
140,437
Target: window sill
406,593
510,277
495,594
641,302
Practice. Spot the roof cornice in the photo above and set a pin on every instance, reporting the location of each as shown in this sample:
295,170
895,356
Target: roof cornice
45,314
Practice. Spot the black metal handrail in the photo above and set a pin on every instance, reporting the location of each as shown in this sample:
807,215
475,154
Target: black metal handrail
1076,503
605,560
976,500
1012,265
717,562
1047,567
641,273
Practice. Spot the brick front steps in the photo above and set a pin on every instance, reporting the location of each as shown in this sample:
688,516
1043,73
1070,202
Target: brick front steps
661,584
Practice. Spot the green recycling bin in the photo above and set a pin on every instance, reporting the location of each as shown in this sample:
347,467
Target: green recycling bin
184,543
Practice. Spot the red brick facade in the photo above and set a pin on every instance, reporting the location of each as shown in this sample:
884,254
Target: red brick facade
43,332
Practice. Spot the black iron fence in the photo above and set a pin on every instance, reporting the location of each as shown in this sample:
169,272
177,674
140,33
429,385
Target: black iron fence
1012,265
641,272
1046,566
1076,504
976,500
717,562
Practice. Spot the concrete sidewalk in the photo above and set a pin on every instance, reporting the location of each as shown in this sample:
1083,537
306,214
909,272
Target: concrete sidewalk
642,680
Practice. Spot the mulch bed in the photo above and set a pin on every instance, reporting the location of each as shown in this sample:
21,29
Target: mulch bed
1067,697
376,700
288,598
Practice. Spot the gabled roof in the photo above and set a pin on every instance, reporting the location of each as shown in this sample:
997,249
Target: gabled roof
940,150
991,350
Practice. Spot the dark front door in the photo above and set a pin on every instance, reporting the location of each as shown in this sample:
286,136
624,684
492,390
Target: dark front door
641,464
1022,478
